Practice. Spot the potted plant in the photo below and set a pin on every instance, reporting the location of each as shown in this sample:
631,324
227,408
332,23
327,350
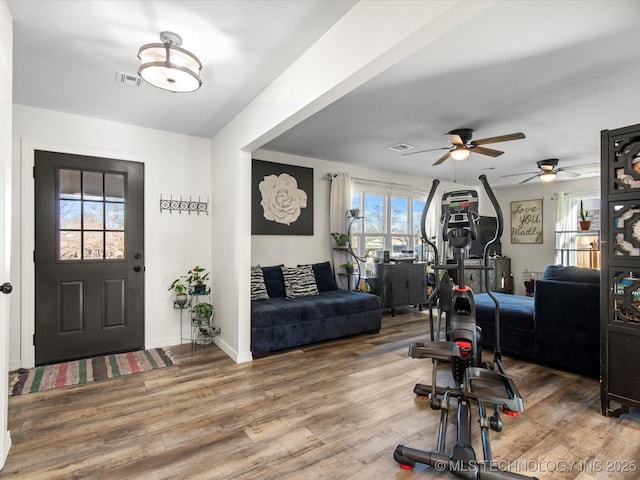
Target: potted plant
342,239
196,278
202,311
348,267
584,214
180,289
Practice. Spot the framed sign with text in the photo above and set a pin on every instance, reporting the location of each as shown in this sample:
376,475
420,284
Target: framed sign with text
526,221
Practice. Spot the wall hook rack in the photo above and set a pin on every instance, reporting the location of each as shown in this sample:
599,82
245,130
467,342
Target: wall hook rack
183,205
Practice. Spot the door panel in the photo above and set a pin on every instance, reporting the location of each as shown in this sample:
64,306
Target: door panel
89,226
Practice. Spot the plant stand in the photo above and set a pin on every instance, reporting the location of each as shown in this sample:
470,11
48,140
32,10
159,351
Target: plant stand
202,331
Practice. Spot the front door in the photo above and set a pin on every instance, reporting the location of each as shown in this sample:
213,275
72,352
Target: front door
89,256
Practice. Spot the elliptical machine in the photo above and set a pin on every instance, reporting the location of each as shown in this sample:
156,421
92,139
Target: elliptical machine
474,381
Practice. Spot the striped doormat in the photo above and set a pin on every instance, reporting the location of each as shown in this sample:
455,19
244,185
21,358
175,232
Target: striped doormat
86,370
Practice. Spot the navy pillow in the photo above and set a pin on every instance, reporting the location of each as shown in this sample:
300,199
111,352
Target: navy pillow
571,274
274,281
324,276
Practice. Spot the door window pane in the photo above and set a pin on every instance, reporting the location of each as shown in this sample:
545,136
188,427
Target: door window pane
69,183
92,185
114,244
93,216
70,245
93,247
114,216
70,215
114,187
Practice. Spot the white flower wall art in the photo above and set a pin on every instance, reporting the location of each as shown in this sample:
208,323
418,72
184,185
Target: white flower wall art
282,199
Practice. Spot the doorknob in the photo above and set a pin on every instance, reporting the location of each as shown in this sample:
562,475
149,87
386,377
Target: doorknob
137,268
6,288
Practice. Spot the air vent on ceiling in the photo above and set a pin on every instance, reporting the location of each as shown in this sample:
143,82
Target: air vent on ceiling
128,79
401,147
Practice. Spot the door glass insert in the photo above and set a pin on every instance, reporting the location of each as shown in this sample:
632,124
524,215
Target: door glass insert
91,215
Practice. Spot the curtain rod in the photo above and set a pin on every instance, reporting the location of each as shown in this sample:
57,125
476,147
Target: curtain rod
366,181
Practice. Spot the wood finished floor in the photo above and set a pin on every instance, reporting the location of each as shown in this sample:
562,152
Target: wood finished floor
335,410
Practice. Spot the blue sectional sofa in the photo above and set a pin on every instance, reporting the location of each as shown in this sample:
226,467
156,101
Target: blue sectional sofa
282,318
559,326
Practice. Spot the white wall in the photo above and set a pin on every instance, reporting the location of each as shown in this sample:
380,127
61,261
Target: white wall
174,165
292,250
536,257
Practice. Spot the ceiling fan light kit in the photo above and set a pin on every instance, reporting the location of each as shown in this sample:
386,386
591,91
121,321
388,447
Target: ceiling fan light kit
459,153
168,66
547,176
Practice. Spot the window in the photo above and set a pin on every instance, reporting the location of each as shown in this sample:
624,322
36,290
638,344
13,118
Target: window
574,246
91,208
391,222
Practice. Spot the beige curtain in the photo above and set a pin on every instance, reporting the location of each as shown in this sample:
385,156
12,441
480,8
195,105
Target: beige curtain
339,203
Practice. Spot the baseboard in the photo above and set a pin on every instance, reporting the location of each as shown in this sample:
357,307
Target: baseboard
6,445
232,353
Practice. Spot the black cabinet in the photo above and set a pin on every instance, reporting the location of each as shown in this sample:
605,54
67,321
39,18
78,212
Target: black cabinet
499,277
399,284
620,272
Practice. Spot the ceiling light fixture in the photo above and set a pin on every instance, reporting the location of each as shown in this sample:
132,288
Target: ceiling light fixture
167,66
547,176
459,153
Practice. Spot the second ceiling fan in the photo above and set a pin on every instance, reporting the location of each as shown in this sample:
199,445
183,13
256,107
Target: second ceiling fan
463,145
548,170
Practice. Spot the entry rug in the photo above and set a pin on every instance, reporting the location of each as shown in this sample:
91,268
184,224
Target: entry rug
87,370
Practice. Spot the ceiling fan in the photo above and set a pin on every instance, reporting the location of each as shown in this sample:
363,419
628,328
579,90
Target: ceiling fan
463,145
547,173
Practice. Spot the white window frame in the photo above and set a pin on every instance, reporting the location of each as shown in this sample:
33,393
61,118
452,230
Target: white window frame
359,237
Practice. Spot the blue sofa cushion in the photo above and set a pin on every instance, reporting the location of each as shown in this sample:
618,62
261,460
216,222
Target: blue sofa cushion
571,274
274,281
284,311
515,311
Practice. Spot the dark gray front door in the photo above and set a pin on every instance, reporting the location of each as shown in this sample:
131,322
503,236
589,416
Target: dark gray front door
89,258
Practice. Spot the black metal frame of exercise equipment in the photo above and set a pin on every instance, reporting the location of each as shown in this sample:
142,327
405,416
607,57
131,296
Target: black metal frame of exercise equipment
476,382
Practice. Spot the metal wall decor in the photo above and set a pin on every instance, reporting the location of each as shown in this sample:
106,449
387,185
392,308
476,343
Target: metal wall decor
183,205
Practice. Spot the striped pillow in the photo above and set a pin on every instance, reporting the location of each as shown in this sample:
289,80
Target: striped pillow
299,281
258,288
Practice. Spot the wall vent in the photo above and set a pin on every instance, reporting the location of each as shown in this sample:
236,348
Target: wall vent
401,147
128,79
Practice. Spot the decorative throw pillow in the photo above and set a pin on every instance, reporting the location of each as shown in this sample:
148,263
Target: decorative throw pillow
258,288
274,281
299,281
324,276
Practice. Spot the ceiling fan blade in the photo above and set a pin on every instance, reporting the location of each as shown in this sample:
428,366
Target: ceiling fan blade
486,151
571,174
442,158
501,138
528,179
429,150
516,174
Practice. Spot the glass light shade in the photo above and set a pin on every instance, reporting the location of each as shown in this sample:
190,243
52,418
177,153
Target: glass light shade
547,176
460,153
169,67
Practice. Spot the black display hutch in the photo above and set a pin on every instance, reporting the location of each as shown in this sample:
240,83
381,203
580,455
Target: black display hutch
620,272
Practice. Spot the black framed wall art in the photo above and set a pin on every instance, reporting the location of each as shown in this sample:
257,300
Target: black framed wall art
281,199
